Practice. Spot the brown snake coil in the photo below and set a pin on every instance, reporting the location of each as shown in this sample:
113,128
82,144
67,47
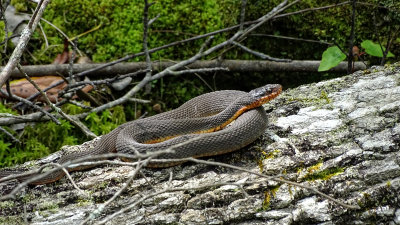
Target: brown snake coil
202,113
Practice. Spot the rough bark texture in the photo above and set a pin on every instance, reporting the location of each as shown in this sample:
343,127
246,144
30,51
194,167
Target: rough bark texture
347,136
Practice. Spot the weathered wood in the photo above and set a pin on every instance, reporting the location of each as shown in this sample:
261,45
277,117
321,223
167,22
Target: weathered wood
232,65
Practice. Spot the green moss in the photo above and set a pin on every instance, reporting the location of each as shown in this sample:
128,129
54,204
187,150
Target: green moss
28,197
48,206
12,220
121,30
324,96
83,202
268,195
265,155
315,174
6,204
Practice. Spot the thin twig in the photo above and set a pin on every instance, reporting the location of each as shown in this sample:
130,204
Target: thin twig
292,38
10,135
41,111
146,25
311,9
259,54
101,207
242,14
74,121
351,39
204,70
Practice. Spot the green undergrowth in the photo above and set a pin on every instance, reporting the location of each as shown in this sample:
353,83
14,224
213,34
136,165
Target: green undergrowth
117,28
41,139
120,27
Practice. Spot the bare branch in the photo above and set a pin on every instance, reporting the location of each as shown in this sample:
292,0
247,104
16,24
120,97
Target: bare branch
140,67
259,54
242,14
23,42
10,135
204,70
292,38
76,122
311,9
351,39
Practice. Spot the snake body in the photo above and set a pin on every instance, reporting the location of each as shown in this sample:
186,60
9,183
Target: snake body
203,119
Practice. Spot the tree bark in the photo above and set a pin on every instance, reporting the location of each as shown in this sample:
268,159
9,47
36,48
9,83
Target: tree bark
232,65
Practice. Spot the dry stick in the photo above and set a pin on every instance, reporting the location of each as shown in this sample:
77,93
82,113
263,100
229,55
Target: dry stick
44,35
242,14
6,38
389,43
145,48
63,34
10,135
351,39
266,17
81,84
292,38
68,176
101,208
38,115
259,54
37,88
233,65
23,41
205,70
83,106
311,9
74,121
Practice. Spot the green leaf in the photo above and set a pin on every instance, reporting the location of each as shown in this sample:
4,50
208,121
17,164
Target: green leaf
374,49
331,58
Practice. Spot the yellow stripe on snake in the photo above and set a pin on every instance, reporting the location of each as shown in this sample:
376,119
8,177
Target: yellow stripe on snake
203,119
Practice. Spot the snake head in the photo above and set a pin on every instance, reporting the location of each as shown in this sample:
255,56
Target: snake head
265,93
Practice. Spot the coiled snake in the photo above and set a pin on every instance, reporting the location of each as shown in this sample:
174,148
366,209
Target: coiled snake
205,117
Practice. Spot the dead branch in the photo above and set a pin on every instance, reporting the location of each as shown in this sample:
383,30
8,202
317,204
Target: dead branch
231,65
23,42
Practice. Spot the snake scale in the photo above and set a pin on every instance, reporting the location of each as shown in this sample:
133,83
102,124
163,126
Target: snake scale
203,119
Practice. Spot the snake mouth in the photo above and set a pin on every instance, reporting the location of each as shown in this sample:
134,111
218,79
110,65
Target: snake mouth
263,95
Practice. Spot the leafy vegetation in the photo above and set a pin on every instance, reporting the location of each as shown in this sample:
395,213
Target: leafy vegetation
333,55
331,58
42,139
374,49
121,27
